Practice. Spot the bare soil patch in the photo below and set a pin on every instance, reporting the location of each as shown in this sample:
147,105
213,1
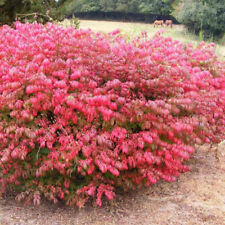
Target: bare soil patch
196,198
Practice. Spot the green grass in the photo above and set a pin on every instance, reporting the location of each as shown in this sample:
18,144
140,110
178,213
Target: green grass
178,32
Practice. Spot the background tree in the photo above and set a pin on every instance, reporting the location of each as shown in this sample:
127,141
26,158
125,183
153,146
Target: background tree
107,6
163,7
204,17
9,8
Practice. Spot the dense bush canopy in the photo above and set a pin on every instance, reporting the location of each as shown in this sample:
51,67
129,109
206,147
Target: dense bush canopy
60,9
82,113
9,8
205,16
160,7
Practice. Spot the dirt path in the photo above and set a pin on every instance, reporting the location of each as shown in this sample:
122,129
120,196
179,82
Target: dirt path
198,197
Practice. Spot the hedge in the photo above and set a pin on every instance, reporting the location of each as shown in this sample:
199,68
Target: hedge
83,113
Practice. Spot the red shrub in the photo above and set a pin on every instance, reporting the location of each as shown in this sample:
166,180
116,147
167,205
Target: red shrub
82,113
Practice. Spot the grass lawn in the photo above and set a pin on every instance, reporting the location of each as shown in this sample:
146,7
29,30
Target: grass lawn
178,32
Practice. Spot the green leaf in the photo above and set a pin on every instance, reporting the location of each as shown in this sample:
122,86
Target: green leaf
44,151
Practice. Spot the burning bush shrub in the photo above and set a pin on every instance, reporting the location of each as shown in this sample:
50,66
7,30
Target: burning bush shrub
82,113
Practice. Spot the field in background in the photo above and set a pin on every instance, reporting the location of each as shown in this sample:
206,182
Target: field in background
178,32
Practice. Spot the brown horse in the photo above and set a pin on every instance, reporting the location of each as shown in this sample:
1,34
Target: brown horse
158,23
169,23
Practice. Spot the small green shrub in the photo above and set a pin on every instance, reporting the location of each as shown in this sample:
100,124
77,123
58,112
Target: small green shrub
74,22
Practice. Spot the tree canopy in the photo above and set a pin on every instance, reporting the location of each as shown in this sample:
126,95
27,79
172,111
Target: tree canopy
161,7
203,16
9,8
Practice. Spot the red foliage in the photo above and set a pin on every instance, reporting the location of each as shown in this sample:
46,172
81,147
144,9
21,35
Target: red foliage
82,113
